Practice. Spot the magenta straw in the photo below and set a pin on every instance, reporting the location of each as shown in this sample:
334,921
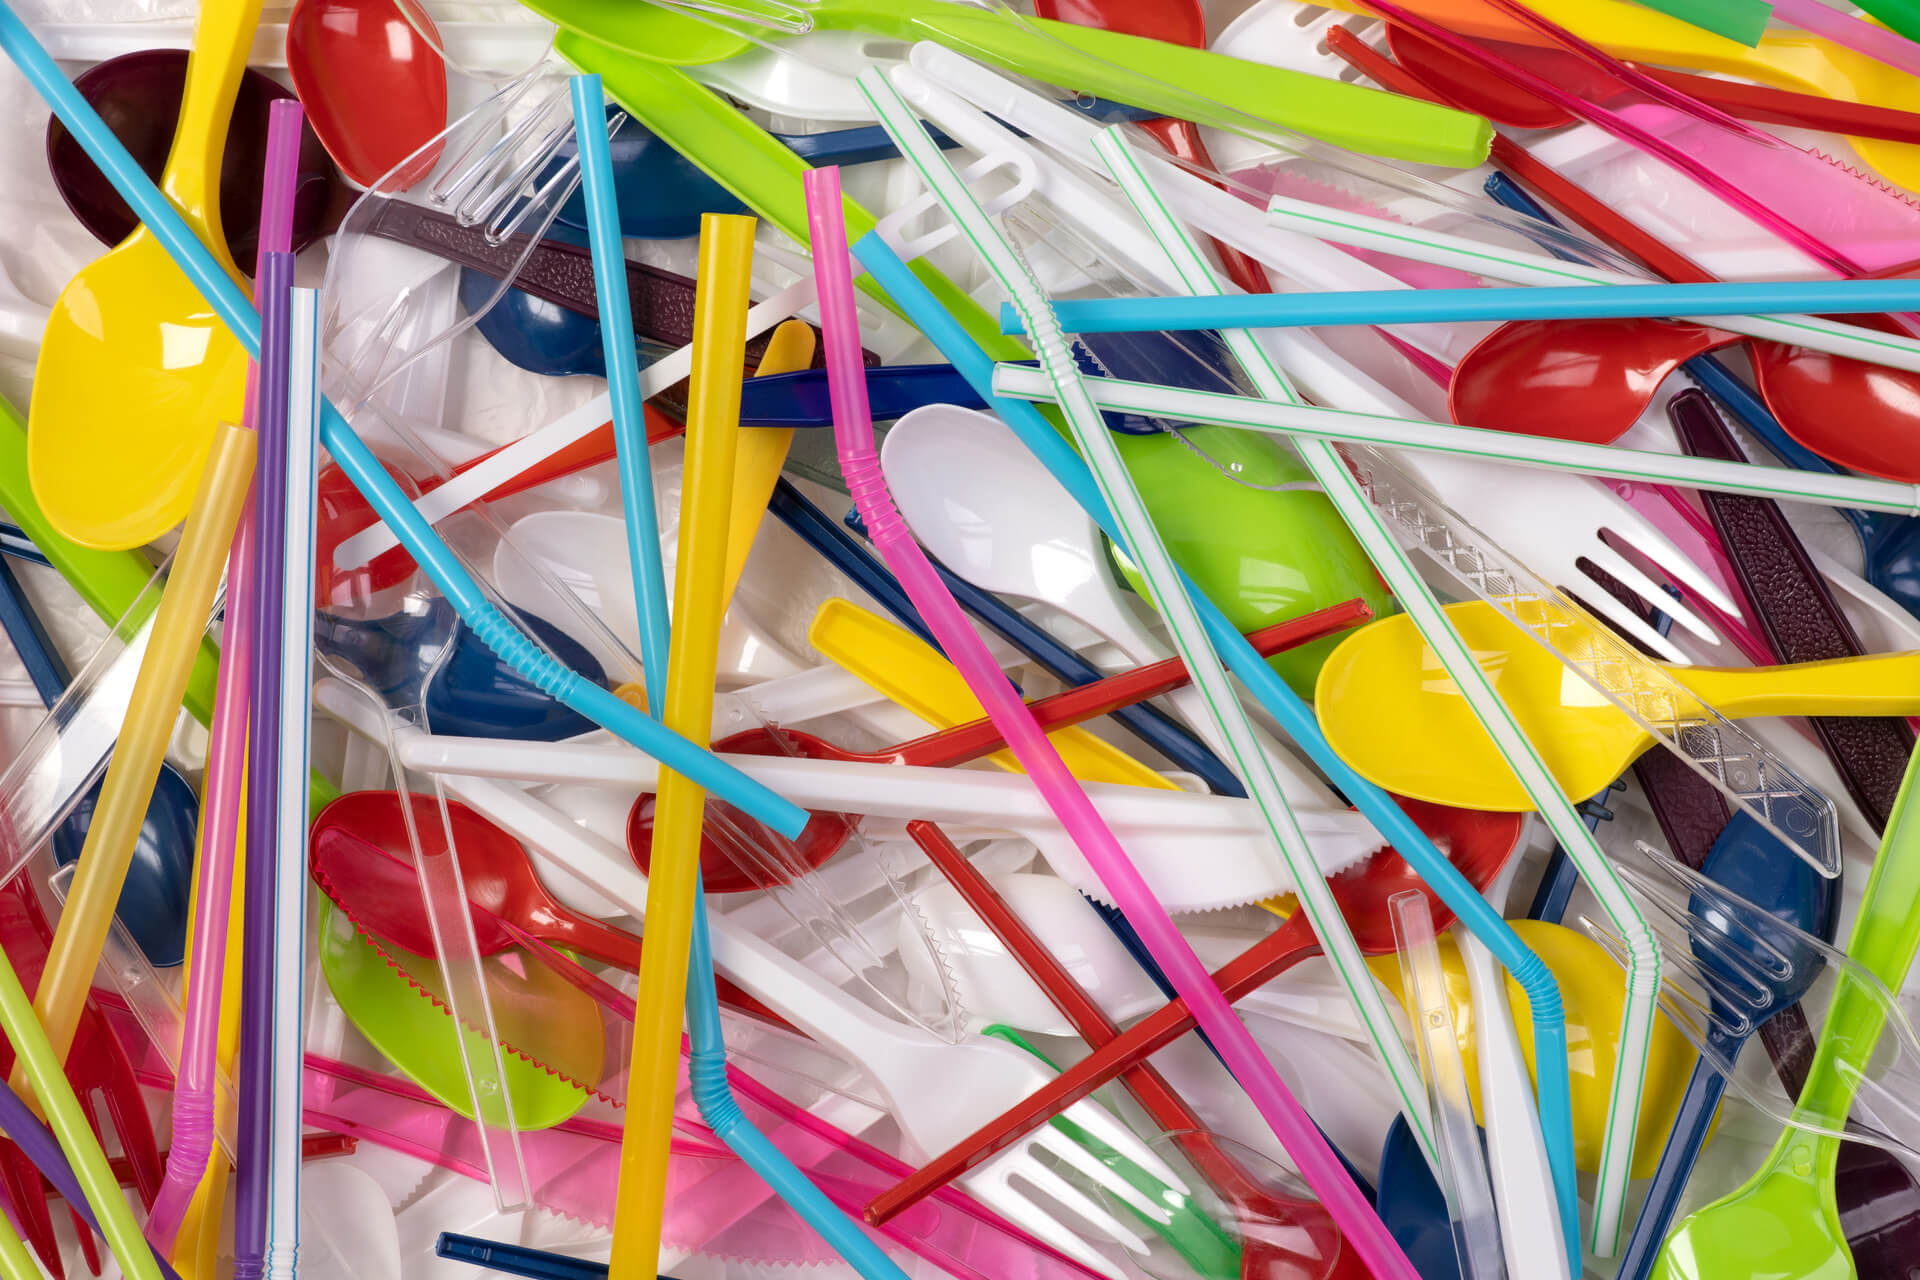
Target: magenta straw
860,466
193,1097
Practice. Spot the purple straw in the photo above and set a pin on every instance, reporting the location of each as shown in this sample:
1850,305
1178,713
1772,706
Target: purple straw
253,1156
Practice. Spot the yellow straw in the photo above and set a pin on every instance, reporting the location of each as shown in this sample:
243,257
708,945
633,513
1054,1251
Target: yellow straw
713,415
178,626
15,1262
763,452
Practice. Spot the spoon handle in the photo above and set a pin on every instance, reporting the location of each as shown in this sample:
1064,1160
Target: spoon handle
1797,613
1691,1124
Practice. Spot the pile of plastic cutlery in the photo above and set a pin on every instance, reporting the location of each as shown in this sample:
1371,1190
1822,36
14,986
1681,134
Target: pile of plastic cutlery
1022,640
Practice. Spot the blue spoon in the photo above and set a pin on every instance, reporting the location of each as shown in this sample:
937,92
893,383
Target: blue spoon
154,904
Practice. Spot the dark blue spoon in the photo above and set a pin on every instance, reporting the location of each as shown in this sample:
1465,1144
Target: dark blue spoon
155,904
469,691
1414,1208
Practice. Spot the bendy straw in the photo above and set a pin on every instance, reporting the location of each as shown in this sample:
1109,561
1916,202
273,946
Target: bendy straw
1311,422
1520,266
1277,1105
1434,306
623,374
360,465
1351,501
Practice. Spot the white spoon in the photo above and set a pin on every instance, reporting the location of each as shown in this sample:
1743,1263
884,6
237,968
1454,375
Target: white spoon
978,500
347,1229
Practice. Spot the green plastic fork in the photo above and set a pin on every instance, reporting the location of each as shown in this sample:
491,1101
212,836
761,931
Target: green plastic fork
1784,1223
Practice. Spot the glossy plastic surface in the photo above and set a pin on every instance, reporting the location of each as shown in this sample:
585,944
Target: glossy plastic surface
373,85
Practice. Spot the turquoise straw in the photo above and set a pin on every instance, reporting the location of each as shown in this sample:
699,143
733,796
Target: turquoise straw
707,1046
357,461
1436,306
623,378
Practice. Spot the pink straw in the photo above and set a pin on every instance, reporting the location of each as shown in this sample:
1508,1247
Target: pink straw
860,466
193,1097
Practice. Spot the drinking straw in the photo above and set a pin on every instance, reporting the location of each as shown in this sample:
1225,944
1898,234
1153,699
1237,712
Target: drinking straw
1867,493
1744,21
1521,266
364,470
296,702
1850,32
227,752
683,692
39,1058
1344,490
518,1259
1456,306
623,373
860,465
254,1148
158,688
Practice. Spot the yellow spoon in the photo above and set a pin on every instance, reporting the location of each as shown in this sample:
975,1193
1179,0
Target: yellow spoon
1593,988
1391,713
762,453
1785,59
135,369
899,665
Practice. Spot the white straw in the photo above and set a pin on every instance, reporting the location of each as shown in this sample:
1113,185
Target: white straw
1521,266
1866,493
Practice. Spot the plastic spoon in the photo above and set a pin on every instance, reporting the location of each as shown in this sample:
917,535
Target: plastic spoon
135,370
1784,1221
371,79
153,906
1381,708
138,95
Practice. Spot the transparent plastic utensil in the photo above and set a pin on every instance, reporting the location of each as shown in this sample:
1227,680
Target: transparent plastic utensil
1462,1169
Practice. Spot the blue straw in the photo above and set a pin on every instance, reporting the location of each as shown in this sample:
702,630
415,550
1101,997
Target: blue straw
1295,717
623,378
1435,306
357,461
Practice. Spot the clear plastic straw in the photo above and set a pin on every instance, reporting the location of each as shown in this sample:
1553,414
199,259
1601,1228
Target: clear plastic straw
1255,1074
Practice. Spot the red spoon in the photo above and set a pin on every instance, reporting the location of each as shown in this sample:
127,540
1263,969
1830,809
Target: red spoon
1479,844
1466,84
1278,1235
1177,22
373,86
359,854
726,867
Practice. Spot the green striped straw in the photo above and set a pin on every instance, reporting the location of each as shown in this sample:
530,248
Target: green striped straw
1522,266
1866,493
1150,554
1348,497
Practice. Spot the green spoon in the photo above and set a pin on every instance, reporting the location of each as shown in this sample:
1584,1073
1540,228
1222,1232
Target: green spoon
1784,1221
1189,84
420,1038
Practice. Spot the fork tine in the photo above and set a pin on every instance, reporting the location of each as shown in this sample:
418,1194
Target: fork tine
1602,605
1092,1166
30,1204
1636,531
991,1190
1100,1123
1083,1206
127,1107
1612,562
89,1247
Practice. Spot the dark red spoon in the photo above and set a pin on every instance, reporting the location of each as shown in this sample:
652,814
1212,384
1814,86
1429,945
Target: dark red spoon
138,95
727,865
374,87
1479,844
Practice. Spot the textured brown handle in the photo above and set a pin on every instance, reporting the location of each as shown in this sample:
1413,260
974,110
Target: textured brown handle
1795,610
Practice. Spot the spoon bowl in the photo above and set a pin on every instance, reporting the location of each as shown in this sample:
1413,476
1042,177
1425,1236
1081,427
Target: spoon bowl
372,83
138,96
1822,402
136,371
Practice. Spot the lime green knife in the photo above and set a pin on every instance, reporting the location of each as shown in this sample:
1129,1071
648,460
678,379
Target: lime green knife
1190,84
